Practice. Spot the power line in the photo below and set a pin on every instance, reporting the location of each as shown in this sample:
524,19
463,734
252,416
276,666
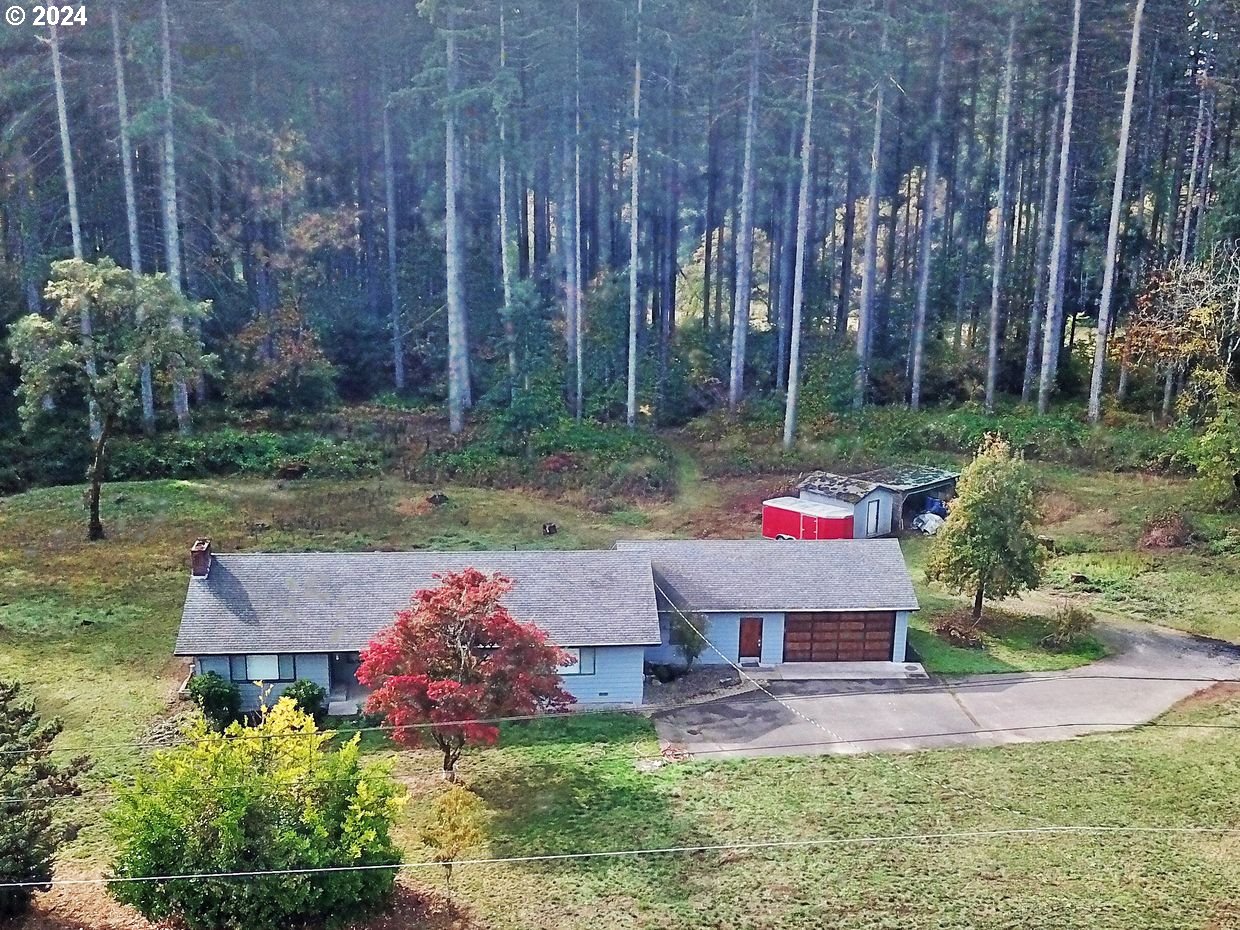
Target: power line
912,687
692,754
810,720
870,840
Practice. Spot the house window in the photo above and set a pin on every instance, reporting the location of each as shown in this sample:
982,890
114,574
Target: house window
584,664
266,668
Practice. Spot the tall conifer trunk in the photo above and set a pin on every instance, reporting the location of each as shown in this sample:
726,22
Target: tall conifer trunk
1001,230
634,219
1117,203
75,220
798,286
168,199
744,246
458,339
869,271
1052,336
131,204
395,317
925,257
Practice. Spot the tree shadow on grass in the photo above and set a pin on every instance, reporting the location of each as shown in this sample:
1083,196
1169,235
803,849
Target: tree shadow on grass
556,793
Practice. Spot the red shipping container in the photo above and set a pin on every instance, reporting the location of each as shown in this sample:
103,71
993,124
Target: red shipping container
794,518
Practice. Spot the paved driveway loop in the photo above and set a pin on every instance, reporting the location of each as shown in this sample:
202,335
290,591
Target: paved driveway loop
1120,691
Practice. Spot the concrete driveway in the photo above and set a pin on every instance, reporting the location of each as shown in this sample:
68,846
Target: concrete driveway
1150,669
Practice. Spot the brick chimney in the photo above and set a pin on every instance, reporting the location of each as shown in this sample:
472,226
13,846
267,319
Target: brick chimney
200,558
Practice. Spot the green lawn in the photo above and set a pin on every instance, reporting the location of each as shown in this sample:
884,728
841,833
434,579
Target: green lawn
566,786
90,628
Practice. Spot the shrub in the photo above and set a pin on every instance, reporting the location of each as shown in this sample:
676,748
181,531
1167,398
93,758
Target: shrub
219,700
1069,626
32,830
281,364
518,448
252,799
688,632
958,628
233,451
1168,530
310,698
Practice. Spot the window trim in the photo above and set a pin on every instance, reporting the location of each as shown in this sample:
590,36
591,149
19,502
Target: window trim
587,656
245,657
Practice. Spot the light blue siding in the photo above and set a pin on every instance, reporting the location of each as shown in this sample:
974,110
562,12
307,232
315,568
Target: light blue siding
900,646
724,632
618,677
312,666
772,639
861,520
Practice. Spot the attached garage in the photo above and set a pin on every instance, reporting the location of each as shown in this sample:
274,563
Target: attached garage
839,636
767,603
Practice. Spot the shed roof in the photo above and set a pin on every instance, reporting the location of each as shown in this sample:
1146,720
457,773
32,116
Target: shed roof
335,601
773,576
808,507
909,477
840,487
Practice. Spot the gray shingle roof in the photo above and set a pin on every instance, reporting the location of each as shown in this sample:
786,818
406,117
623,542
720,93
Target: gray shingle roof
768,575
336,602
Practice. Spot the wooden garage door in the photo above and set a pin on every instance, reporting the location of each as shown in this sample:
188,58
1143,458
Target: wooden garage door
839,637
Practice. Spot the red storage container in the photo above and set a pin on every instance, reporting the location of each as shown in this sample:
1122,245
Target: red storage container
794,518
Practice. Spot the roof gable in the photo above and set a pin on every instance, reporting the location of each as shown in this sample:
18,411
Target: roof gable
773,576
338,601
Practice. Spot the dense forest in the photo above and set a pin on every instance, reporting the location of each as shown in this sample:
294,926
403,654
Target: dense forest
640,211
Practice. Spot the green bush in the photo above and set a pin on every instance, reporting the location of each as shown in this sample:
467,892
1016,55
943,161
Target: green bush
1069,626
270,798
310,698
526,448
232,451
219,700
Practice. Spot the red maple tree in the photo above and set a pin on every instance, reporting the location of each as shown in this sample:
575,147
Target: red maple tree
455,658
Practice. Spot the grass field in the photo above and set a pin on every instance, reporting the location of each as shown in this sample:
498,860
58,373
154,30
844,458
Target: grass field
574,786
90,627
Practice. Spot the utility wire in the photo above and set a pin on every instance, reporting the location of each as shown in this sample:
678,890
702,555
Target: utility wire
831,734
1129,830
913,687
666,756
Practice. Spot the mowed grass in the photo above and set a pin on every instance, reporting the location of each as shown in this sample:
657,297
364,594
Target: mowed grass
579,786
1096,521
89,627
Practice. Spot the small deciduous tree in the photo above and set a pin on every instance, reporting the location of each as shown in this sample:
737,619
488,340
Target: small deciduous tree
1216,452
457,658
31,782
453,825
987,547
688,632
133,319
273,798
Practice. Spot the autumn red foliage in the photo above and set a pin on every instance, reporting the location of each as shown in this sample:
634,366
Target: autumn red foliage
456,657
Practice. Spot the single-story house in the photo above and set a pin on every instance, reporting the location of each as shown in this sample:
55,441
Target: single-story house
883,500
278,617
768,603
275,618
